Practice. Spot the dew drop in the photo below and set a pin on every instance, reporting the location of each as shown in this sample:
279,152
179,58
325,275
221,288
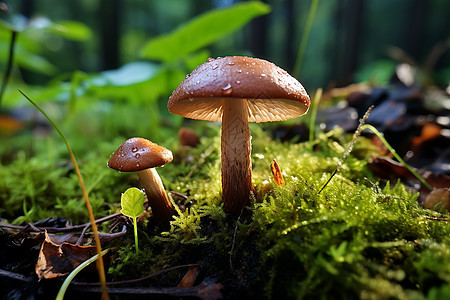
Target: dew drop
134,149
263,75
137,155
231,63
122,155
197,82
210,59
238,81
227,89
239,71
214,67
138,165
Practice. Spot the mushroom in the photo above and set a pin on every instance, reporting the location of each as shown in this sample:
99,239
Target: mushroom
237,90
188,137
142,156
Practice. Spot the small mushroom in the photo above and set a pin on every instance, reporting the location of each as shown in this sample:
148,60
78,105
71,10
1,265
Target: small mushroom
142,156
237,90
188,137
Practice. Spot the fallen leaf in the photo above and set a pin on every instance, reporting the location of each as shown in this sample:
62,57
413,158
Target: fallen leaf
59,260
189,278
438,199
277,176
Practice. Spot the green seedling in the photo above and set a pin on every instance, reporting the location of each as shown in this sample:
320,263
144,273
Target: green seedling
132,202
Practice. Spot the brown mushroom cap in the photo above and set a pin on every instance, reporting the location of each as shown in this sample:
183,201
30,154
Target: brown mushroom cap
138,154
272,94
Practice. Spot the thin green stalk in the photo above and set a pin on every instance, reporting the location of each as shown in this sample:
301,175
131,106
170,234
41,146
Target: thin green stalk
68,280
392,150
135,235
10,64
314,108
350,146
100,265
306,32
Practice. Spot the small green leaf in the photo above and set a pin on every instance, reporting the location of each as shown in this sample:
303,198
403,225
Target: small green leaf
202,31
132,202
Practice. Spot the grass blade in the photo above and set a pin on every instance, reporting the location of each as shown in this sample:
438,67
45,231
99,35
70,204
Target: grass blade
100,265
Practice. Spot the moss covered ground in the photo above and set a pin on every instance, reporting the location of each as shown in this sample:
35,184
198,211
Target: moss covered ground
360,237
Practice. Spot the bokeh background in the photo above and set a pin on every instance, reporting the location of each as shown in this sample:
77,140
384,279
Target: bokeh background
350,40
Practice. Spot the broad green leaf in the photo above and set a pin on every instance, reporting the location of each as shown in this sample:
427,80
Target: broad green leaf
131,73
71,30
132,202
202,31
34,62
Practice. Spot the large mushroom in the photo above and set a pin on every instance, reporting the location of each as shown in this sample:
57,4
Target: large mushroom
142,156
236,90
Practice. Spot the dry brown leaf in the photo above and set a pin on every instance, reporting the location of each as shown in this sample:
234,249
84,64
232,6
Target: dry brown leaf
59,260
277,176
189,278
438,199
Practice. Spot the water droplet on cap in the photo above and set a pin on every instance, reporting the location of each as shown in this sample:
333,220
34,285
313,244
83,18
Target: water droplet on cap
210,59
214,67
226,90
137,155
134,149
231,63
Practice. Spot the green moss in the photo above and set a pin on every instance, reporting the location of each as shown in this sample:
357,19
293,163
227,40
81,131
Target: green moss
361,237
356,239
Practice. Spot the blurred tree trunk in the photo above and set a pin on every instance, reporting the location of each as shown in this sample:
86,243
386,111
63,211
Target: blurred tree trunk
415,28
110,33
258,36
348,30
291,47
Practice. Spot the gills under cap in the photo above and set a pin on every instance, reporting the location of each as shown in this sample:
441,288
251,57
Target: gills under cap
138,154
271,93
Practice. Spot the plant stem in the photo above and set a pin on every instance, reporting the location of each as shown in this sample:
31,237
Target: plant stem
10,64
68,280
135,234
314,108
392,150
100,265
304,41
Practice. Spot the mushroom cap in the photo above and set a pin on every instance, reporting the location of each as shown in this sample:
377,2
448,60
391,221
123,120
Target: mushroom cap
272,94
138,154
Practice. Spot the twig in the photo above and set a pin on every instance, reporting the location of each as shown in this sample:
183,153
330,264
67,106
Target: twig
130,281
57,229
208,289
14,276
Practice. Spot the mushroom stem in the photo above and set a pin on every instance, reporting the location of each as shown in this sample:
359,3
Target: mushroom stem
162,209
236,160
